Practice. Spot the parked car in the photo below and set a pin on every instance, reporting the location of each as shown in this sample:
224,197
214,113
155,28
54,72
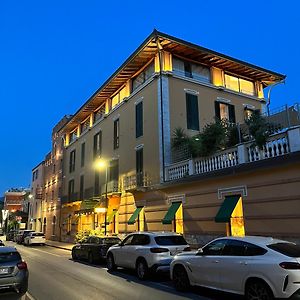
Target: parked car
94,248
10,235
22,234
146,252
35,238
259,268
13,270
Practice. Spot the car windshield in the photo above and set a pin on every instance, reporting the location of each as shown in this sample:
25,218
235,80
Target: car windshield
171,240
9,256
288,249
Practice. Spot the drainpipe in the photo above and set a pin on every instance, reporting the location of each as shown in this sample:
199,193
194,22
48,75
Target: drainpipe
160,48
269,94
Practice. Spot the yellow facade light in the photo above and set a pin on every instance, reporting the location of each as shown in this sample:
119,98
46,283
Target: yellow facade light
100,210
100,164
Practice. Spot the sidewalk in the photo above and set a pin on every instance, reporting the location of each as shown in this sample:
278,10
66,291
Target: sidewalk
61,245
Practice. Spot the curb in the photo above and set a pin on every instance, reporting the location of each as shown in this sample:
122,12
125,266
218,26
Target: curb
59,247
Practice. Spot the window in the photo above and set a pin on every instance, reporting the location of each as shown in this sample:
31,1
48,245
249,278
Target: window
97,184
128,240
288,249
71,189
141,239
192,112
72,161
117,98
98,144
139,119
99,113
53,225
143,76
52,195
214,248
234,248
73,135
114,170
171,240
81,187
116,133
82,154
139,167
85,125
7,257
225,111
248,113
239,85
191,70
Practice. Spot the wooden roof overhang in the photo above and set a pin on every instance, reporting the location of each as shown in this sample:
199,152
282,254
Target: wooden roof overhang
148,49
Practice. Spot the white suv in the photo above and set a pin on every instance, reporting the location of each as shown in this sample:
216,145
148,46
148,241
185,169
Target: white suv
146,252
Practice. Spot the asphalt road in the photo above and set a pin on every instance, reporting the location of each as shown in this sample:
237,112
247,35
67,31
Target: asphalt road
54,275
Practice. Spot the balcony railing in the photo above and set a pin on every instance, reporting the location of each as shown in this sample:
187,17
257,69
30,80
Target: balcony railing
278,144
137,180
113,186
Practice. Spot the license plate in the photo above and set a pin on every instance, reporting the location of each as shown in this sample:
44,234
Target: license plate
4,270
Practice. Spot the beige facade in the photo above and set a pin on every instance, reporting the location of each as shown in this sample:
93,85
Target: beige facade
162,75
35,198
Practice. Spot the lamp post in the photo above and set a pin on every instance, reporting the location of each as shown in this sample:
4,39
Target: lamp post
100,164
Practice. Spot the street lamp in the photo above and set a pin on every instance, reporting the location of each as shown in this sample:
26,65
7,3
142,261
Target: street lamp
101,164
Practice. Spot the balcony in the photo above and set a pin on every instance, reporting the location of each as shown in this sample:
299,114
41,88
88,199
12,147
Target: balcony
136,181
277,145
113,186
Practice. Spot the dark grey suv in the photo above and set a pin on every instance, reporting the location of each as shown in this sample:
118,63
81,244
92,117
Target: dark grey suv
13,270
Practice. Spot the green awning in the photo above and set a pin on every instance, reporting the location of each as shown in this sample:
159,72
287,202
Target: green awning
169,217
226,209
134,215
110,216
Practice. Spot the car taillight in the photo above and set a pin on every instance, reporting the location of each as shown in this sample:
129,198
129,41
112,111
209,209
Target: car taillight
22,265
159,250
290,265
187,249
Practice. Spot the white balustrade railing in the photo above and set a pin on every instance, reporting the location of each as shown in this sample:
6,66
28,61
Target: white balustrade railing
221,160
178,170
277,145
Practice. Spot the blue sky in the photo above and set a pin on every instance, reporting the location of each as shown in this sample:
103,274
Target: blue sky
55,54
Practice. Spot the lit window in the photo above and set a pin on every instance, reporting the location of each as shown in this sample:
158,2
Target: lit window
191,70
143,76
239,85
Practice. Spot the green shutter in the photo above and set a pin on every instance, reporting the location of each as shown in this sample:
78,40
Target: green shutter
169,217
231,113
134,215
226,209
217,110
192,112
139,120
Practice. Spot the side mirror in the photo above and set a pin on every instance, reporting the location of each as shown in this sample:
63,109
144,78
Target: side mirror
200,252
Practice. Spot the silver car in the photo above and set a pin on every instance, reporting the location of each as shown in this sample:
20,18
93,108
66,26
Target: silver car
146,252
260,268
13,270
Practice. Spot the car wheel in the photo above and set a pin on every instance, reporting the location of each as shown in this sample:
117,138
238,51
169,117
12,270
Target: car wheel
90,258
180,279
258,290
142,270
111,266
74,255
22,289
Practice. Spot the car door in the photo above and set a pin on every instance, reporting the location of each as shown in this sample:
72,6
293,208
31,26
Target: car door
205,264
120,252
233,262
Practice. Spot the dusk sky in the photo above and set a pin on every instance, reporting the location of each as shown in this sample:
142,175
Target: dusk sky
55,54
